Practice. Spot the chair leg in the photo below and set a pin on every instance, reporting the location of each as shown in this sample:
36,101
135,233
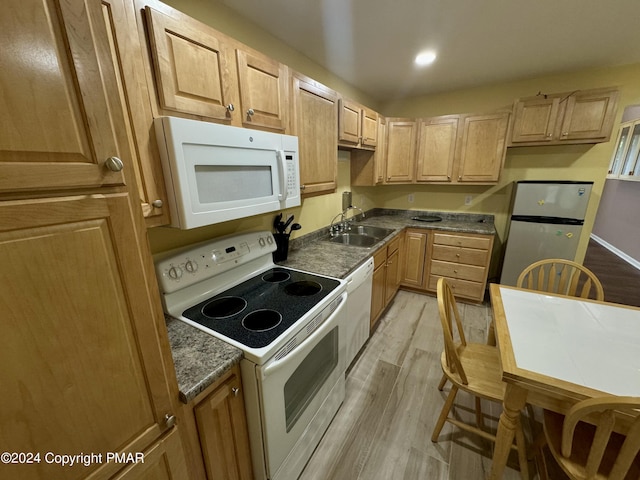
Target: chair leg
442,383
446,408
522,451
479,418
537,448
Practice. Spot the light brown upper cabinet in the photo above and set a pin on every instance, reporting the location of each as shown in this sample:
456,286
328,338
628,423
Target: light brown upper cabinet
126,52
464,148
203,73
194,66
437,139
315,122
483,146
583,116
57,130
263,90
367,167
358,125
401,150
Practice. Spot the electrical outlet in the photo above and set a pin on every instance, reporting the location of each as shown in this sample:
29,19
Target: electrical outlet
410,198
468,199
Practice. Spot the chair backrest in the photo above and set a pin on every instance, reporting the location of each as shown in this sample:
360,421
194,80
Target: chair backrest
603,411
450,330
555,275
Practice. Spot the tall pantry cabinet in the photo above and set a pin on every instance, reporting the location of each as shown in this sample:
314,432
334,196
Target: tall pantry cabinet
86,366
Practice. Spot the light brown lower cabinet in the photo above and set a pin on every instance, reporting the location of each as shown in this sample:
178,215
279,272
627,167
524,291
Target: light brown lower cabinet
462,258
387,273
217,426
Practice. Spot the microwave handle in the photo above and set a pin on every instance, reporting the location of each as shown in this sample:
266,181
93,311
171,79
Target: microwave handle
282,174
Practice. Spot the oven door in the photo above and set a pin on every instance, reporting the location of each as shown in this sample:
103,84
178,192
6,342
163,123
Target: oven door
294,388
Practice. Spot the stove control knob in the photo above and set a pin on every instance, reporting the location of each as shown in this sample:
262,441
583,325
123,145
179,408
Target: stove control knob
174,273
191,266
270,240
261,242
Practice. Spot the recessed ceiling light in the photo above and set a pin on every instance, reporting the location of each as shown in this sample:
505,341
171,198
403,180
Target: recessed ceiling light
425,58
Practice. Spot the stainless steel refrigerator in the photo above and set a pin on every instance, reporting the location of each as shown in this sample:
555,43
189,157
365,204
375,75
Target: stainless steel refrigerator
546,222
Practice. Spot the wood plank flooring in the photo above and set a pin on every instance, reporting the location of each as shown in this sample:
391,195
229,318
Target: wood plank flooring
383,429
620,280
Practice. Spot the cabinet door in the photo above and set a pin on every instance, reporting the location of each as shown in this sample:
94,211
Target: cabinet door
401,151
622,144
377,293
415,250
193,64
589,115
222,428
316,125
263,91
126,53
80,345
483,147
534,119
57,104
437,149
393,275
369,127
349,123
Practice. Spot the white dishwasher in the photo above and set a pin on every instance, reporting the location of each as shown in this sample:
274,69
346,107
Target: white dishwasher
359,285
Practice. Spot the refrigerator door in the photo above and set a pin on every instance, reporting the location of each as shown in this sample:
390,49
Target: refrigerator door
552,199
530,242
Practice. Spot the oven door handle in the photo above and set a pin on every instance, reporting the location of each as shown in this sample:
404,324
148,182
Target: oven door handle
319,332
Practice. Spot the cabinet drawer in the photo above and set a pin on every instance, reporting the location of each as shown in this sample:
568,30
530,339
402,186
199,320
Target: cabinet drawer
481,243
393,245
380,257
458,270
469,256
461,288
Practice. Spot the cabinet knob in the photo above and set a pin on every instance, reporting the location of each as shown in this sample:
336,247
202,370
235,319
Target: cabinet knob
250,112
448,178
302,187
235,391
157,203
549,135
169,420
230,107
460,178
114,164
564,134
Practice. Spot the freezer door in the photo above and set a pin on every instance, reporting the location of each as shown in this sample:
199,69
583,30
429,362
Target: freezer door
548,199
529,242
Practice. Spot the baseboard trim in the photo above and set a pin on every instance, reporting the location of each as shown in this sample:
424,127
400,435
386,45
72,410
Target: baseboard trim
630,260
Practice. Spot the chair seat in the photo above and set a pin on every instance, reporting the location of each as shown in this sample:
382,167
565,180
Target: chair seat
583,437
482,366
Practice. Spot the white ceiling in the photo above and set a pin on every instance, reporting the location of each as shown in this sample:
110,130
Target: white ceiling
372,43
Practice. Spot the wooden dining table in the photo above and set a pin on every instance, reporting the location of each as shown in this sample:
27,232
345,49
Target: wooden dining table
557,350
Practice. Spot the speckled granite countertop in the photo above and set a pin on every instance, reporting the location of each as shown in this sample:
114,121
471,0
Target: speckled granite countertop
201,359
313,254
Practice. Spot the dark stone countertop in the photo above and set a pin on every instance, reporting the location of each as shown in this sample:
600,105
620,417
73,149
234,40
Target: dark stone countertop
316,255
200,359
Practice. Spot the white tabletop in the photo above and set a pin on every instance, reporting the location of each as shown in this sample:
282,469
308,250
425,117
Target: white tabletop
587,343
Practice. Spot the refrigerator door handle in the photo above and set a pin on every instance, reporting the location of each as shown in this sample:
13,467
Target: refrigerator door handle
551,220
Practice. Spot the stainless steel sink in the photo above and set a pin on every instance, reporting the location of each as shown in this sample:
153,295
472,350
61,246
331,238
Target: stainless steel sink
377,232
354,239
361,236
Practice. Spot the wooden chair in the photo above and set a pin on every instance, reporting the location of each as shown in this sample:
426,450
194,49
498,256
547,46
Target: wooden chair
565,277
473,368
592,450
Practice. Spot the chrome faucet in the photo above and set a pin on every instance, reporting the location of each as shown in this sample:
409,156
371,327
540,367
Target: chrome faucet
344,223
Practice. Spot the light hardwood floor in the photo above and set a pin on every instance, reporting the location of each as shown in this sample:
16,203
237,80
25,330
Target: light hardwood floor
383,429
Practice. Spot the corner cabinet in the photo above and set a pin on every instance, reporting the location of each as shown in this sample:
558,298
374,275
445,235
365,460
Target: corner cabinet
582,116
625,163
358,125
84,351
315,122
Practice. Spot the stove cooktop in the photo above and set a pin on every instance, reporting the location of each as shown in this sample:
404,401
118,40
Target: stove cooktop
257,311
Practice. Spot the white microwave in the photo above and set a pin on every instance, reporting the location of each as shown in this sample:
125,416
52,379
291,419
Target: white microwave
215,173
